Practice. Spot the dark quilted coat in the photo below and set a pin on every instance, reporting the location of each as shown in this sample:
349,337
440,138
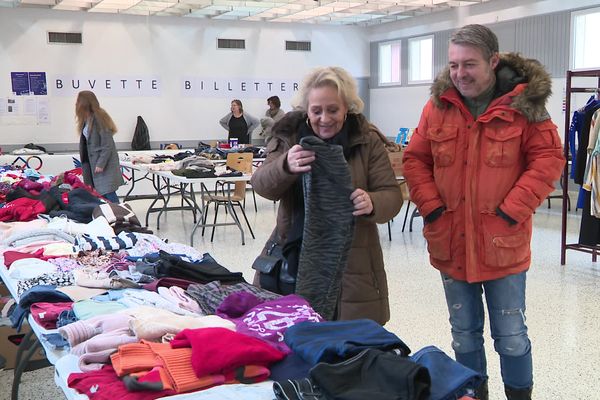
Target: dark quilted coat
364,286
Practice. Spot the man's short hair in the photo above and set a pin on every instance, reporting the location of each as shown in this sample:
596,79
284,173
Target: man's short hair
478,36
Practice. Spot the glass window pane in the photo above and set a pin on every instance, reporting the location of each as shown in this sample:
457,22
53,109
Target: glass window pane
585,31
389,63
420,59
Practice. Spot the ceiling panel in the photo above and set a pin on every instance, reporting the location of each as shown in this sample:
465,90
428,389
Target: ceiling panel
337,12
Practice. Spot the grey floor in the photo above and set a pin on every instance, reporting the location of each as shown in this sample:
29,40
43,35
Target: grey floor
563,309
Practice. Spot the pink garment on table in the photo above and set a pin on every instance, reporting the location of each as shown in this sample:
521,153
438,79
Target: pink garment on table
10,256
82,330
95,352
22,209
104,384
177,296
46,314
218,350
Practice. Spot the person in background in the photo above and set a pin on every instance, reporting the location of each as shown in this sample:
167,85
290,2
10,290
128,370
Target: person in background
97,150
239,124
484,156
329,108
272,115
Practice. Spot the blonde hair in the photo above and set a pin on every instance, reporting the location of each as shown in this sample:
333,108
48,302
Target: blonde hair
336,77
87,105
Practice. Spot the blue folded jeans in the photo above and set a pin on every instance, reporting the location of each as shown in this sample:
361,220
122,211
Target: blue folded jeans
449,379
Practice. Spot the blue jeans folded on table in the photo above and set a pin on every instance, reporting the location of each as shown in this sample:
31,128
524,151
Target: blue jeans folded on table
66,317
450,380
55,341
505,298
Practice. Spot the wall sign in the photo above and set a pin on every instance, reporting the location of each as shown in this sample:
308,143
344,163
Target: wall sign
238,87
20,83
38,84
125,86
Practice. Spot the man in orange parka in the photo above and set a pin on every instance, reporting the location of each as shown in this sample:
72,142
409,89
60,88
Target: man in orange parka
484,156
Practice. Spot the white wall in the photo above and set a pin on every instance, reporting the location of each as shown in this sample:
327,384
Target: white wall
396,107
170,48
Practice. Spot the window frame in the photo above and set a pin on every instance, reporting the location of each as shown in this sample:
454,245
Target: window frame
572,50
411,81
380,65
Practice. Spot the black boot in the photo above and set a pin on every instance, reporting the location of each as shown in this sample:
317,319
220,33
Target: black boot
481,393
517,394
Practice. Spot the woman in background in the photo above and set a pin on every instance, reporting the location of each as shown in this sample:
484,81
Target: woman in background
239,124
272,115
97,150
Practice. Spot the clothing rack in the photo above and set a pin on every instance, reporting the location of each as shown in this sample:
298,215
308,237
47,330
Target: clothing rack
593,250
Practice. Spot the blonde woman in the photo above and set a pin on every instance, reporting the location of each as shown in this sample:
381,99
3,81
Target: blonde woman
97,150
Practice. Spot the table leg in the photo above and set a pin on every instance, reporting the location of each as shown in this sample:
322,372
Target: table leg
27,348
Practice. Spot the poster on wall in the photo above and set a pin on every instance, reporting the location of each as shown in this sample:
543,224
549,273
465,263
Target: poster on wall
38,84
25,110
43,113
20,83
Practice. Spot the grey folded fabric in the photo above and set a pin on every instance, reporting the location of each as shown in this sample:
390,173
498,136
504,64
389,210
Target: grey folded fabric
328,227
23,238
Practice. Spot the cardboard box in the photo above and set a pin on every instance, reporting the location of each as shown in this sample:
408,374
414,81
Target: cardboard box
3,290
9,344
396,161
10,339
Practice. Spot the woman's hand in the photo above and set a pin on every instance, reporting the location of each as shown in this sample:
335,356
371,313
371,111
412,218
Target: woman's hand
98,170
362,202
299,160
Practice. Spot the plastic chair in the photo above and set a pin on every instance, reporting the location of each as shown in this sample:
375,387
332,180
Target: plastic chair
396,162
240,162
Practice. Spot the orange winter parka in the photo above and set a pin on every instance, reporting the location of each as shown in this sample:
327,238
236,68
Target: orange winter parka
506,159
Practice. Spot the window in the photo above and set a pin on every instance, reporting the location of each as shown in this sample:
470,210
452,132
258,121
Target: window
389,63
585,52
420,58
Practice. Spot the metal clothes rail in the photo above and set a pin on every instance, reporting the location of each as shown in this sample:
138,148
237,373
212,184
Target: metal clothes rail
593,250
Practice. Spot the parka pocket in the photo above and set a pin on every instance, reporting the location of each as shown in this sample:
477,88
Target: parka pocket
443,144
502,146
504,245
439,237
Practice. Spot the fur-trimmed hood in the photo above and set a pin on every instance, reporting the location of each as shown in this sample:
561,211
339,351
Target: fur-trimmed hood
511,70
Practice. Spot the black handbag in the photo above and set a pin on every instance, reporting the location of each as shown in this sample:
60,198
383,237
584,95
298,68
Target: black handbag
276,274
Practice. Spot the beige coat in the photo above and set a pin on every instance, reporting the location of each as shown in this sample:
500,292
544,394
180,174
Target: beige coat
364,285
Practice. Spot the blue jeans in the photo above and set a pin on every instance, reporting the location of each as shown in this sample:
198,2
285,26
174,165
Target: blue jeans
112,197
505,300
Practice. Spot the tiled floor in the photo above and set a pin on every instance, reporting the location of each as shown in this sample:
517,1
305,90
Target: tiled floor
563,313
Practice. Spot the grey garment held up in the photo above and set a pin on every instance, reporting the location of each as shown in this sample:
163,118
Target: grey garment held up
328,227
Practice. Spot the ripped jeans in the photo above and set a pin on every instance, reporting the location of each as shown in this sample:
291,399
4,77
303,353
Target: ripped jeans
505,300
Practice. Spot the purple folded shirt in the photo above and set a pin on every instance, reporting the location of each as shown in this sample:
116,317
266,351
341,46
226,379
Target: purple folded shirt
266,320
